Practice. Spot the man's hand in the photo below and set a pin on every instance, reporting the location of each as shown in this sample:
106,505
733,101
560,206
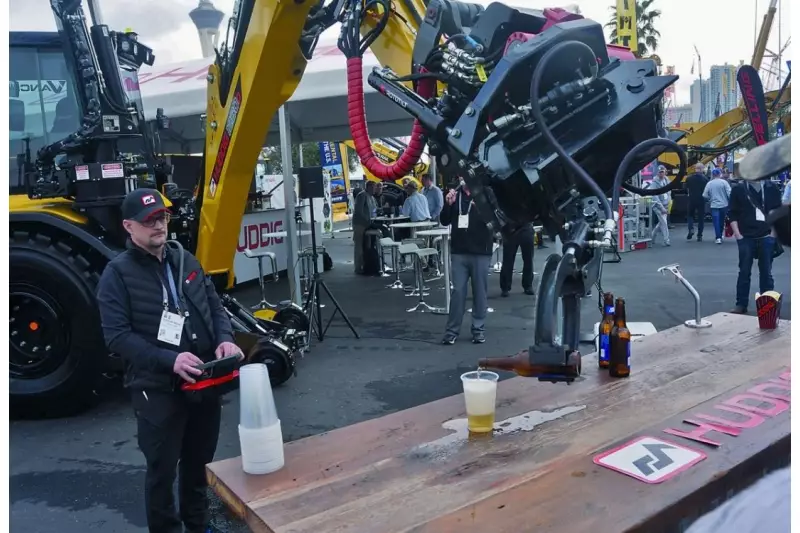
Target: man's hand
451,197
738,236
186,363
226,349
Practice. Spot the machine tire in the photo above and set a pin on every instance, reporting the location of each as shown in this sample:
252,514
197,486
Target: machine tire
293,318
52,296
279,363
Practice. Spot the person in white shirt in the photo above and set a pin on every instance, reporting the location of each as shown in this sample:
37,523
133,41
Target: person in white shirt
660,205
718,194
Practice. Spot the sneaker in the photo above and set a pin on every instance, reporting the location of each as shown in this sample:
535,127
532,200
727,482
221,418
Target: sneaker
449,339
739,310
699,238
529,292
718,241
504,294
478,338
667,243
689,237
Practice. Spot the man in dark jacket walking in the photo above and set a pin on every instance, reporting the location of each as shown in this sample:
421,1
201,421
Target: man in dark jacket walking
695,184
750,204
471,245
162,315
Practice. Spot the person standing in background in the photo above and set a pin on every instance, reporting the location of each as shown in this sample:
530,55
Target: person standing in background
695,184
750,204
718,194
787,193
522,239
363,213
471,245
434,196
416,205
661,205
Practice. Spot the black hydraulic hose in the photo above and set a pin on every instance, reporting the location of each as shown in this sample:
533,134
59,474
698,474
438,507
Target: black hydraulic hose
536,110
622,171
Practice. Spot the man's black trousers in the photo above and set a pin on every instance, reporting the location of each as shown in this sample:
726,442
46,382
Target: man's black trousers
522,239
176,435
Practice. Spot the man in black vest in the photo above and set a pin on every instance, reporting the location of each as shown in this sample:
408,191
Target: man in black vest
164,320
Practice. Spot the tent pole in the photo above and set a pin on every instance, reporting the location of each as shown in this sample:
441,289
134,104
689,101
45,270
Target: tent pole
290,202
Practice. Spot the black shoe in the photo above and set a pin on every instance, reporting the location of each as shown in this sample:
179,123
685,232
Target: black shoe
529,292
504,294
478,338
699,238
449,339
689,237
739,310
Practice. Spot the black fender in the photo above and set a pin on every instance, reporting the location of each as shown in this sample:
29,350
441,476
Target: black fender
74,230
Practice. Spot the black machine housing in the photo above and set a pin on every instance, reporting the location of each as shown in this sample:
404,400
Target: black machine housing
483,129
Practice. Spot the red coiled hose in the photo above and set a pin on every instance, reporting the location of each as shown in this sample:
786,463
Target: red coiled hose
426,88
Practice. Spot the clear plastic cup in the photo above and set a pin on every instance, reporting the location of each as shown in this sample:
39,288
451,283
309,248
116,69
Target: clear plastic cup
256,403
480,397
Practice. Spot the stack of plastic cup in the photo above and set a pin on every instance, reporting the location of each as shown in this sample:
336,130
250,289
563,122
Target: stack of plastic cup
260,433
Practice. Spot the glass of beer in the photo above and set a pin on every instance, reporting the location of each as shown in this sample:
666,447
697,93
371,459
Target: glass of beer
480,394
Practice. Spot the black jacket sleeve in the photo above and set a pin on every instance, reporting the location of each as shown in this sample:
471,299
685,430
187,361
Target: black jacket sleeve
223,332
115,313
446,216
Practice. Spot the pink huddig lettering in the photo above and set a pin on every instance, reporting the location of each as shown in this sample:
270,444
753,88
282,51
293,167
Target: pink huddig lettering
752,408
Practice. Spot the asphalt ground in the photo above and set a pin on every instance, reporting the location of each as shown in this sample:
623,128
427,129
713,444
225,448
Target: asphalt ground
85,473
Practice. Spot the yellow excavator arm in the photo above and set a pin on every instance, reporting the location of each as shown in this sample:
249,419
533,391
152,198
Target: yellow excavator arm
263,68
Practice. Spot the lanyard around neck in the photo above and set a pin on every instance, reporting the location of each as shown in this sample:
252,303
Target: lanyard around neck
172,288
460,206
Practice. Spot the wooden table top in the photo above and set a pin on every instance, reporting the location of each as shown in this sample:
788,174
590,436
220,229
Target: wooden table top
416,470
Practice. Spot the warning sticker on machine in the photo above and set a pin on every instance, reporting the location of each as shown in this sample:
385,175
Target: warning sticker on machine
649,459
82,173
112,170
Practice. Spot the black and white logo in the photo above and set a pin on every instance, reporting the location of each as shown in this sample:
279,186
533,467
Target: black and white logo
649,459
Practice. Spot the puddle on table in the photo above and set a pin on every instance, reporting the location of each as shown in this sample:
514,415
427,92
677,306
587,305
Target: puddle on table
441,448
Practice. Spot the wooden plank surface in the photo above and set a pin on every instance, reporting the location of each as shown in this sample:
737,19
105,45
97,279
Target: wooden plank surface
416,470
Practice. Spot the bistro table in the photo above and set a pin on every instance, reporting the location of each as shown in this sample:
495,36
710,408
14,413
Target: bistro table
444,233
413,226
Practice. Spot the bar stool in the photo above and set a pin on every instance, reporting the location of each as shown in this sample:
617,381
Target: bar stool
388,242
418,255
260,255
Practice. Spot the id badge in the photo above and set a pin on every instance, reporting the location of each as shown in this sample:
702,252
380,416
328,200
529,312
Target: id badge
171,328
463,221
760,215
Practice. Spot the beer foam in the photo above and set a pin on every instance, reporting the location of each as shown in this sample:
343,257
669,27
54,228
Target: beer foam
480,396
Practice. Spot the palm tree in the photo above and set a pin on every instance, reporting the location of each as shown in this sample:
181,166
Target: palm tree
646,32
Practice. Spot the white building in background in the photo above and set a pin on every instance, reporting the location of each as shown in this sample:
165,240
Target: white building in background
207,19
678,115
723,87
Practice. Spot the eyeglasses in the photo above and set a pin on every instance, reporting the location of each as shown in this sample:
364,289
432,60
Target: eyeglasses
151,222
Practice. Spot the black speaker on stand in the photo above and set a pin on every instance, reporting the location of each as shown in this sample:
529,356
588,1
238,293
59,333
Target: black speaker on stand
311,184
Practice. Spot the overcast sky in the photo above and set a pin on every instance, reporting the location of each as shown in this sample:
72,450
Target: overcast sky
722,30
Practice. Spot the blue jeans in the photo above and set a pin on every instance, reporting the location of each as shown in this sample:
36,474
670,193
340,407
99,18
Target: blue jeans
718,217
749,250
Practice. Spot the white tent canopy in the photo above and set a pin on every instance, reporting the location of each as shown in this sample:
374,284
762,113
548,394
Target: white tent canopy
318,108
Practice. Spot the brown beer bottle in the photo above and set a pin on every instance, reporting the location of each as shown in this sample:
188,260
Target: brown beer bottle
605,330
521,365
620,358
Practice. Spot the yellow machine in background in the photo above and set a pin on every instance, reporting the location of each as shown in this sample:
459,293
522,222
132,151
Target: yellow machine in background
388,151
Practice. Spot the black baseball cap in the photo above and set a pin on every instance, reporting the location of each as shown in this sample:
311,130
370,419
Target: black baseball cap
141,204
